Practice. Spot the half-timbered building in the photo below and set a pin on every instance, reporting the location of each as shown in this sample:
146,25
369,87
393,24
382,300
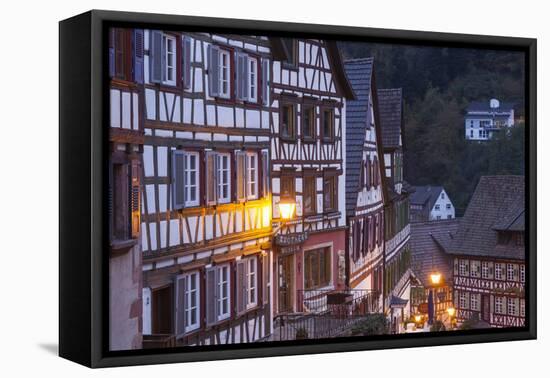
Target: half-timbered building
125,150
206,209
364,178
397,255
308,98
488,254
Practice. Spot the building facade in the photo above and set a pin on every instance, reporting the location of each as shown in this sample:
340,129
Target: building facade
484,119
308,101
126,140
364,179
397,255
430,203
488,254
206,210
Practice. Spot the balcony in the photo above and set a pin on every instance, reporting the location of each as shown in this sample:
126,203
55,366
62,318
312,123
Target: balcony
325,314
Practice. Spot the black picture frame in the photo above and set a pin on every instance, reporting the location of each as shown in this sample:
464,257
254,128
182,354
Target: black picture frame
83,285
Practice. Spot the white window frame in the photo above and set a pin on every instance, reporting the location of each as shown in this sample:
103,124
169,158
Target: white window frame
251,176
221,157
498,305
462,300
224,76
511,306
448,206
522,273
509,272
223,295
485,270
252,79
522,308
437,207
187,182
474,301
462,268
498,272
188,295
251,282
170,60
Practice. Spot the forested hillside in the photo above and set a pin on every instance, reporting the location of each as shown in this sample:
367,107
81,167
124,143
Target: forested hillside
438,84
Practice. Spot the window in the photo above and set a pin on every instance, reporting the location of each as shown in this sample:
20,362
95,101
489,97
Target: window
512,308
471,123
522,273
510,272
437,207
442,195
328,125
309,194
474,301
191,179
448,206
287,121
124,205
330,193
438,217
449,216
520,239
252,175
169,74
317,268
223,178
475,268
222,289
288,184
522,308
462,268
290,47
252,80
191,301
485,270
117,53
308,123
462,300
498,305
471,133
224,74
252,282
498,271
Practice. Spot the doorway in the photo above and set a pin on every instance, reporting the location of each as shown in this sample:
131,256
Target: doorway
286,282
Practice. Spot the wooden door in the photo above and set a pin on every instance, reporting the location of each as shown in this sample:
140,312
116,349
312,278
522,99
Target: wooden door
485,307
286,283
161,311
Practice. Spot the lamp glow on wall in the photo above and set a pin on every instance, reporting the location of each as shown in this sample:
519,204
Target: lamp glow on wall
287,208
451,311
435,278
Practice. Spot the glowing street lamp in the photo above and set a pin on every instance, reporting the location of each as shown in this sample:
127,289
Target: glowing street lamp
451,311
435,278
286,208
418,318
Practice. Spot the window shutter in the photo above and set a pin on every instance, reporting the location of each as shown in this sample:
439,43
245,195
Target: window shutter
211,178
241,79
516,273
368,173
371,233
265,174
365,236
135,199
156,57
138,56
241,286
467,295
241,175
178,179
265,278
504,305
467,266
186,62
265,83
211,296
491,270
111,52
180,283
213,71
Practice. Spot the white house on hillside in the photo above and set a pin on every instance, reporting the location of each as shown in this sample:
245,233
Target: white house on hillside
483,119
430,203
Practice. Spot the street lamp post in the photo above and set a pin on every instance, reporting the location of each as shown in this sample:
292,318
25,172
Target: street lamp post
436,280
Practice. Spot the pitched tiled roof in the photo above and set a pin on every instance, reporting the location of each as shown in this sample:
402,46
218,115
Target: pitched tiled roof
483,106
428,243
390,107
425,194
498,203
359,75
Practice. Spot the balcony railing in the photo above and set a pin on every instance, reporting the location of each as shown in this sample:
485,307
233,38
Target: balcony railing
343,303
